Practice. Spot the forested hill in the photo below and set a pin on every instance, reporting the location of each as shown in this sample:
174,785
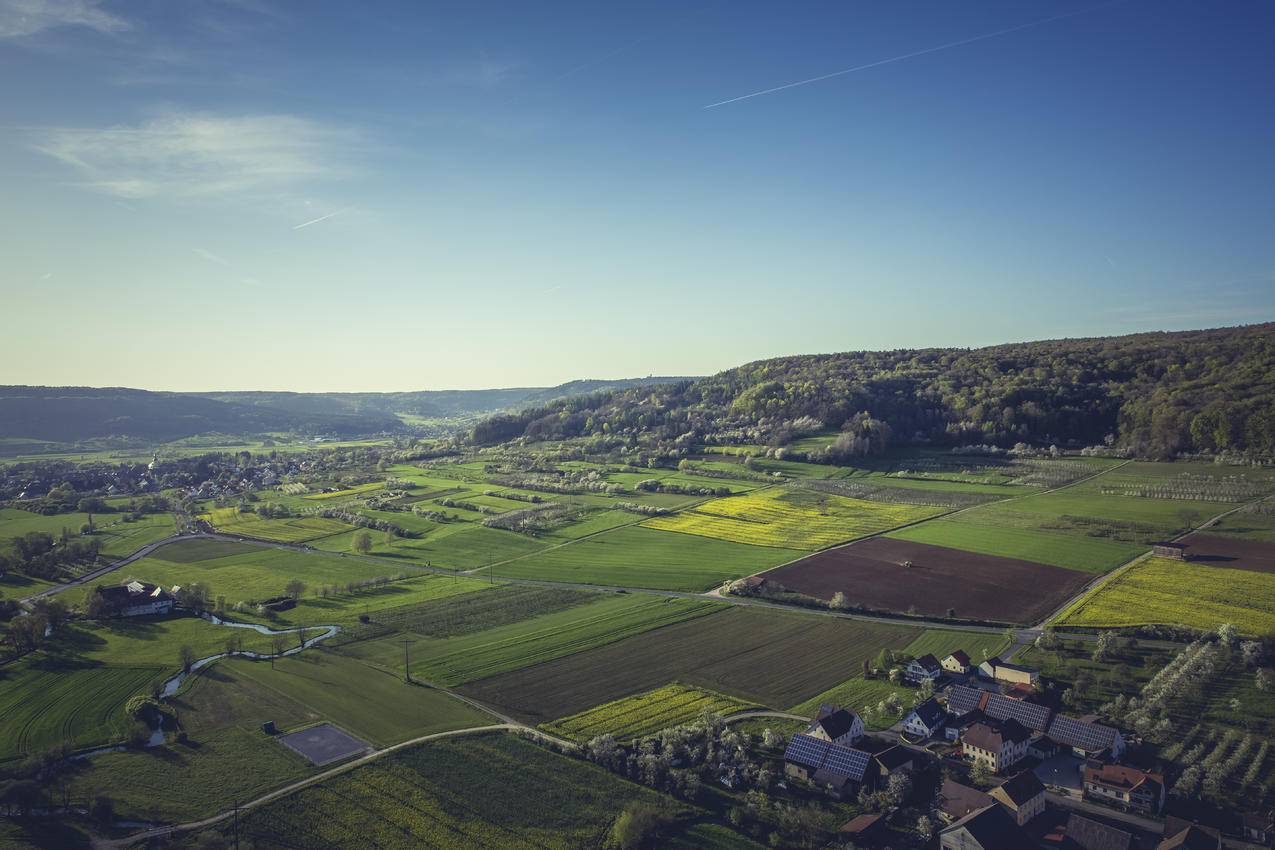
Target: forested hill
71,414
1156,394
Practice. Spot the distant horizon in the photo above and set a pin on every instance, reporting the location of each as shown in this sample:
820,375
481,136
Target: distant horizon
651,375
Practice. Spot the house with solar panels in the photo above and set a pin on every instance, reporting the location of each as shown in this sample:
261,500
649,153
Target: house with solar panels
1086,737
839,768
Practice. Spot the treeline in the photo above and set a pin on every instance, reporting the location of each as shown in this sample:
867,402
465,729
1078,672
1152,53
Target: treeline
1156,394
39,555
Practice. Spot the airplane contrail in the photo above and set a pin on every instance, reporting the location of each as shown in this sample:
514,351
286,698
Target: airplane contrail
320,218
913,54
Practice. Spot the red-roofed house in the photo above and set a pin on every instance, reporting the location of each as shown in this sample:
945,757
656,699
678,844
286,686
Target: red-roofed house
1123,786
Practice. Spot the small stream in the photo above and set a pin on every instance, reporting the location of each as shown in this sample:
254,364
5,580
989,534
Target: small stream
172,685
323,633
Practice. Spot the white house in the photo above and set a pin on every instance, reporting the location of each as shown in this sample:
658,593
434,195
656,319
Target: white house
925,719
836,725
923,668
136,599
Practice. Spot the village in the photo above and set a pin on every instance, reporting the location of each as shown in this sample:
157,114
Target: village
1008,771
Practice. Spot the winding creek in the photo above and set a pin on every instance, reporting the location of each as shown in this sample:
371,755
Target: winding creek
172,685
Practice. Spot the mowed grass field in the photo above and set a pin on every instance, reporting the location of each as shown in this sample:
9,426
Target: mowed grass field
244,572
452,661
635,556
373,704
116,536
791,519
45,705
757,655
644,714
485,790
1072,551
1162,591
453,546
290,530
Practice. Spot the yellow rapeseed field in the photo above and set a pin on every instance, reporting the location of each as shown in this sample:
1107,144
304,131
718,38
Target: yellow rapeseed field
791,519
644,714
1164,591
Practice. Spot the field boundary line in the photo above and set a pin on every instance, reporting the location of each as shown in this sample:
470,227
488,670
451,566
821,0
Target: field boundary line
299,785
1099,582
941,516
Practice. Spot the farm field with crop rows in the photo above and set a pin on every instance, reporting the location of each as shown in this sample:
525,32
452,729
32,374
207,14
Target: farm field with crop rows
1162,591
765,657
644,714
43,707
492,790
793,519
452,661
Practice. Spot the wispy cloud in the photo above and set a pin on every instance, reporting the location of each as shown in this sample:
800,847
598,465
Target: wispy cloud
321,218
27,17
948,46
484,73
199,155
211,257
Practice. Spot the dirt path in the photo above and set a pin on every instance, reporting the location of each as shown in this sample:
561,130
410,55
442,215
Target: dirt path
507,725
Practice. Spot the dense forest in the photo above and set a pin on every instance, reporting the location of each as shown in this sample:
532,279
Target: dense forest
1153,394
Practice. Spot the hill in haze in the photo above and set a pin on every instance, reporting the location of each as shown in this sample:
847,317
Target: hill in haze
69,414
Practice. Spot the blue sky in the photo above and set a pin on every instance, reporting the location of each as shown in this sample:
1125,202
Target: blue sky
248,194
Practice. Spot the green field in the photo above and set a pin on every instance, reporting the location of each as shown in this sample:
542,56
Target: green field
486,790
1161,591
758,655
245,573
1255,523
643,557
291,530
859,695
1073,551
942,642
18,586
116,536
644,714
45,705
373,704
467,613
454,546
451,661
793,519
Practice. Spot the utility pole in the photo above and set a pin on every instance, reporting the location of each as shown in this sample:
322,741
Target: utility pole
407,671
236,825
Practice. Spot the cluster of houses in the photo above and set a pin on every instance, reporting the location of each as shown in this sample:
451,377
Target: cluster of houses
988,716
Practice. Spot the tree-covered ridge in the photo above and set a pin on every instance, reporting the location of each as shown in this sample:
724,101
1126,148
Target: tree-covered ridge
1153,393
